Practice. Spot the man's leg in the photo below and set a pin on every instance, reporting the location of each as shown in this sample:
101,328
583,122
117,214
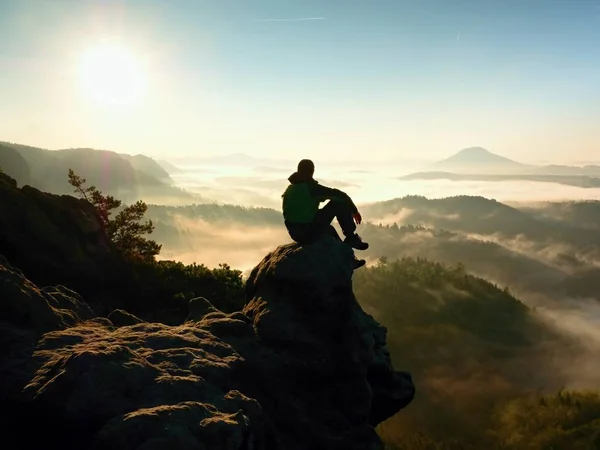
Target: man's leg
343,214
336,210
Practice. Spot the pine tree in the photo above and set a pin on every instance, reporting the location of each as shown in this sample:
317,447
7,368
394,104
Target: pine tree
125,230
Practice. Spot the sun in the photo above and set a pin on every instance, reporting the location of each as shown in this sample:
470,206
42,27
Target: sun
112,75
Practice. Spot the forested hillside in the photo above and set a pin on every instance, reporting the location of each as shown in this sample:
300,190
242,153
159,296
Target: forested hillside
483,363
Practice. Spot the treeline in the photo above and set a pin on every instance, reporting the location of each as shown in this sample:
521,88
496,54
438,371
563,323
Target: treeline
482,216
213,212
568,420
553,271
178,226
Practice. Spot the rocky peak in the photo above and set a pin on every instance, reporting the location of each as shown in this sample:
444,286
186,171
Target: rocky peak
330,354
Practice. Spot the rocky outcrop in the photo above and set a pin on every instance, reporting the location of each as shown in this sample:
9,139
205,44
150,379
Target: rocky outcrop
121,318
26,313
301,367
331,360
85,382
56,239
39,310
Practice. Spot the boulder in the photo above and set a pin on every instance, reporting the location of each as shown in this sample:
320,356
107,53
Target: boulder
24,305
122,318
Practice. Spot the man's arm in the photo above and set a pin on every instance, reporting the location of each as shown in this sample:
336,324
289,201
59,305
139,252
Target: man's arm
323,193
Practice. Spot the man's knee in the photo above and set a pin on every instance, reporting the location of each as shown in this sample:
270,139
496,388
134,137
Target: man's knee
340,207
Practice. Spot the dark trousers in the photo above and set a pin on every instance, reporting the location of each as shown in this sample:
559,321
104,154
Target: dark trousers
305,233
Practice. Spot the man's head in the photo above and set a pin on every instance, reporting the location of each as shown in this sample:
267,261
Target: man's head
306,168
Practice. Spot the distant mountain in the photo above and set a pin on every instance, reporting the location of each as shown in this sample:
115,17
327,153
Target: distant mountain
167,166
478,160
147,165
128,177
14,165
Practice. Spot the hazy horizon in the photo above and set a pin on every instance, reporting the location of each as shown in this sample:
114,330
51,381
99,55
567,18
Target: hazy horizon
375,81
245,186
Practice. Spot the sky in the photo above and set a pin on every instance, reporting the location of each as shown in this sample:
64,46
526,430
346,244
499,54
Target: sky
324,79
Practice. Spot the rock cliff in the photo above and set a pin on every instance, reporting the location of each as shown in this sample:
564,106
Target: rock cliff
55,239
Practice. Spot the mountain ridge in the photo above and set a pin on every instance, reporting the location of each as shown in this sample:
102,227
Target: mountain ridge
128,177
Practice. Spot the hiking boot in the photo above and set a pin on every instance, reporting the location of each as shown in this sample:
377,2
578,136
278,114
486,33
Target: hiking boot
358,263
356,242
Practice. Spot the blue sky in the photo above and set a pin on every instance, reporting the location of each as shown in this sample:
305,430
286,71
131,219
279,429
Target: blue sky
319,78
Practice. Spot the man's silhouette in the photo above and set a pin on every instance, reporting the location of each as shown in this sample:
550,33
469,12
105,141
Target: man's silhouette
304,220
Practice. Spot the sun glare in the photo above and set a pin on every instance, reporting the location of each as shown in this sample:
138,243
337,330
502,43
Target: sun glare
112,75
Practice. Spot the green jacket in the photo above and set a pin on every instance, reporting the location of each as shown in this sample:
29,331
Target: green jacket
302,197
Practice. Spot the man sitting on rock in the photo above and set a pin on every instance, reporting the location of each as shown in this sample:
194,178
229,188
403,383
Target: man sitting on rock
304,220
